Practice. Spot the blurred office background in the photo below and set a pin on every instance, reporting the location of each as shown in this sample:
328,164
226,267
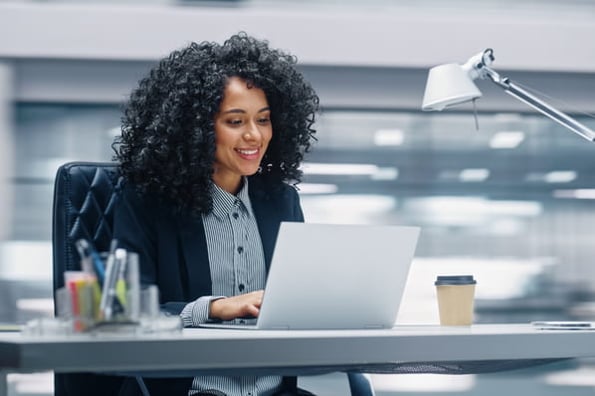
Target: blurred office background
510,201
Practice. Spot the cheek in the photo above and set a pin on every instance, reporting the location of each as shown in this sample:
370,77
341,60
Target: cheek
221,147
268,135
217,135
222,136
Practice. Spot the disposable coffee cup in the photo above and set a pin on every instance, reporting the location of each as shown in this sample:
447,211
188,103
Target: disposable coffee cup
456,295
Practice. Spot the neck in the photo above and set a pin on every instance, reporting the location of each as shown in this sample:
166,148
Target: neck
231,186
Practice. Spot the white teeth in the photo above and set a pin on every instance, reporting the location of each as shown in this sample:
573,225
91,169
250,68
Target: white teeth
248,152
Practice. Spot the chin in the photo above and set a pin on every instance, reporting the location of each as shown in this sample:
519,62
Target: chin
250,171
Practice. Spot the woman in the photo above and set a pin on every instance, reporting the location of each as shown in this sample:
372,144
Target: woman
212,140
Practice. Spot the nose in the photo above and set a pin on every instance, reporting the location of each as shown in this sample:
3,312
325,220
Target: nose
252,133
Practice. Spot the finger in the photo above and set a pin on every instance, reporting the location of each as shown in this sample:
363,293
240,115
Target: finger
253,311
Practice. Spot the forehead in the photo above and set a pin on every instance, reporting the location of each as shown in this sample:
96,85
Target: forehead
237,89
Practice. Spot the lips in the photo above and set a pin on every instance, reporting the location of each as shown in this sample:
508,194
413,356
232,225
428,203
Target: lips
247,151
248,154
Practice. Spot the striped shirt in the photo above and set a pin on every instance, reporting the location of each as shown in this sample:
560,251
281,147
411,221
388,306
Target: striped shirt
236,260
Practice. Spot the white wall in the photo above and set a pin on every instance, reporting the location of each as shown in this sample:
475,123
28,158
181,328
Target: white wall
6,145
532,39
367,57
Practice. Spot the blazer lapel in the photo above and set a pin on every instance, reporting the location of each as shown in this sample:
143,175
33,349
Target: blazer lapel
267,218
196,258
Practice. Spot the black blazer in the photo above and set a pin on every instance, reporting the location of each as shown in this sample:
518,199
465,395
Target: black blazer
172,247
173,253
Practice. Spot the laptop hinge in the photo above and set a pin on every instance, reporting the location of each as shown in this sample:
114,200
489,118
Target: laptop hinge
373,326
279,327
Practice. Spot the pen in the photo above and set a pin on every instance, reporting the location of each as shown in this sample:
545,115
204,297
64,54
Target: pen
109,298
121,281
112,250
88,253
86,260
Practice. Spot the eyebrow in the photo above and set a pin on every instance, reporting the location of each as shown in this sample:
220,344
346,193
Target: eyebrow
243,111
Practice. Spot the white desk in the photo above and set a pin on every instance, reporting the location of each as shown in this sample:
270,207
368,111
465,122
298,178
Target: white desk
285,352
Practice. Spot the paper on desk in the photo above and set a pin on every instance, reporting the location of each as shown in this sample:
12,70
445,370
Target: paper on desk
563,325
9,327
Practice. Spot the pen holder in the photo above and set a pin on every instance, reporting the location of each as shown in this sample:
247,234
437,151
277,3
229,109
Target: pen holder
78,301
120,295
109,294
106,297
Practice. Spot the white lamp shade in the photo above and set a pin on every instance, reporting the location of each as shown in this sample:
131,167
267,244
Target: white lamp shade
448,85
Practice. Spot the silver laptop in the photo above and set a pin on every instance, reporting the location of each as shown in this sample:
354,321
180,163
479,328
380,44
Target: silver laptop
335,276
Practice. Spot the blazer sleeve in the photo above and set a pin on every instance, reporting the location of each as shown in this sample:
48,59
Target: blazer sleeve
149,227
298,214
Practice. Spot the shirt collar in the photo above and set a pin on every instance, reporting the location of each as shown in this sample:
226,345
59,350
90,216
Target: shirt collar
225,203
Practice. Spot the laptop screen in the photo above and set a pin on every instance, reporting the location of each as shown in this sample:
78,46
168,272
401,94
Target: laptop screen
337,276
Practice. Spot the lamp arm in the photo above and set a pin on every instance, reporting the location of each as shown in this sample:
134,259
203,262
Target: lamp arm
538,104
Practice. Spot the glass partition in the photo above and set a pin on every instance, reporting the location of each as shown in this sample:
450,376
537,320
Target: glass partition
511,203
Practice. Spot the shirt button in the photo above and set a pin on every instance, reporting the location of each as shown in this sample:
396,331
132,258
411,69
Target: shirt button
240,249
241,287
235,215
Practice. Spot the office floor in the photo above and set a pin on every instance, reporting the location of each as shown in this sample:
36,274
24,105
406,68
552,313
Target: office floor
568,379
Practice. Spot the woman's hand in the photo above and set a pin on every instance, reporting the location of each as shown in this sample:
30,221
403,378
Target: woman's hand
244,305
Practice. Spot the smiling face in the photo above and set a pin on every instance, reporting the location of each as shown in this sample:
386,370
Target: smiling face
243,131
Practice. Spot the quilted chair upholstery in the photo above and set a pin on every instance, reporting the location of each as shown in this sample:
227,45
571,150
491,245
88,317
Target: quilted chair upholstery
83,208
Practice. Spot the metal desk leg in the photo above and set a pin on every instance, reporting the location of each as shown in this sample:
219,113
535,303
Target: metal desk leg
360,384
3,383
141,385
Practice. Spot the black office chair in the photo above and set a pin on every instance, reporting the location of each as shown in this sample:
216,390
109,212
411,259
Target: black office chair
83,208
84,196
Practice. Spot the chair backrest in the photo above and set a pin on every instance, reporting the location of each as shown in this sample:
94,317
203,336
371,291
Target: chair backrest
84,196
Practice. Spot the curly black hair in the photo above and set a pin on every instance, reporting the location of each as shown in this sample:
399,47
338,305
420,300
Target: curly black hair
167,145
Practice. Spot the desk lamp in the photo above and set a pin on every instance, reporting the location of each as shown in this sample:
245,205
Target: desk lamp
452,84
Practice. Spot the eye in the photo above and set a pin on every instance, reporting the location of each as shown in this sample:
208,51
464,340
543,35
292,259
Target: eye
235,121
264,120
